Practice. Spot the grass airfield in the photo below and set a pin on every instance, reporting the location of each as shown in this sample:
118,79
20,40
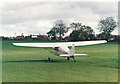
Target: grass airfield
25,64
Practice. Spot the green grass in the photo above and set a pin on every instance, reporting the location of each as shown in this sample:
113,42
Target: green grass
23,64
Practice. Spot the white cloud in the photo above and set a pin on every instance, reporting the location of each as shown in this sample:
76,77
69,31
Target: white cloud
39,17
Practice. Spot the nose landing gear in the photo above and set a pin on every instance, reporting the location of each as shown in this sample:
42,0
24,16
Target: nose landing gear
68,58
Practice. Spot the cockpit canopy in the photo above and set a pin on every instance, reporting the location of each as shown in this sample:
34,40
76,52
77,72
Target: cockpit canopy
56,48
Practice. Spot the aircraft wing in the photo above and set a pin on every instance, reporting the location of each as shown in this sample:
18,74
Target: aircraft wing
58,44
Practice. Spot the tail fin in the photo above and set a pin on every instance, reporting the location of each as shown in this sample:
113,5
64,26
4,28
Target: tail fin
72,51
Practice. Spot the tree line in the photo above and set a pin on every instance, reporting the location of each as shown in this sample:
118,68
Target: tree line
83,32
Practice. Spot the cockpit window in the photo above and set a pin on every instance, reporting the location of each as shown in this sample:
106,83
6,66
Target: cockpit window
56,48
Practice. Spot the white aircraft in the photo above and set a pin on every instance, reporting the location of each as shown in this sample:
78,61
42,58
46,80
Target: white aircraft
61,48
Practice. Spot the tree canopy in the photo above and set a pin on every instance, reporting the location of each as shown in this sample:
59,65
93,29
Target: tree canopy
53,32
107,25
59,28
84,33
75,25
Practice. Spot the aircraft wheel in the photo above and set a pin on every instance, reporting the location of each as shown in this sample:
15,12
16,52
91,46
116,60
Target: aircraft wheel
48,59
74,59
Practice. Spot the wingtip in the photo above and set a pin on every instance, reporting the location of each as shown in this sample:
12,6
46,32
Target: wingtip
105,41
13,43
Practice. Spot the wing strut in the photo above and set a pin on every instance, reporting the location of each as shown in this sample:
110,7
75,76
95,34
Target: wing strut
48,50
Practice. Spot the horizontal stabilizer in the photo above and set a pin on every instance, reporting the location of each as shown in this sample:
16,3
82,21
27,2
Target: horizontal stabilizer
65,55
79,54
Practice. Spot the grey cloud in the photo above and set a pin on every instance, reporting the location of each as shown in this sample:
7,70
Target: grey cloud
103,8
42,11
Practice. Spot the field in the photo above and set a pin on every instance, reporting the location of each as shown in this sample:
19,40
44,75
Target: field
23,64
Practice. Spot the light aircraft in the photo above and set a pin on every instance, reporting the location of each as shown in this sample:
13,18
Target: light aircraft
61,48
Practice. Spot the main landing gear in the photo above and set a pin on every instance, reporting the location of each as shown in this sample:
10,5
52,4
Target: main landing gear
74,59
68,58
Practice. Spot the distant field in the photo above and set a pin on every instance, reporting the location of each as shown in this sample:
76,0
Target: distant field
23,64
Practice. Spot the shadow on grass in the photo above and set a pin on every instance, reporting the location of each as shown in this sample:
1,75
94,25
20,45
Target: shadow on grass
44,61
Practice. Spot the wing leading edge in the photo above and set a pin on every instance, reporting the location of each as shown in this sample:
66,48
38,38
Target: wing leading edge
58,44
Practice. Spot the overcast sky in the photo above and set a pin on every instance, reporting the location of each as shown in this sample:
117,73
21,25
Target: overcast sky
39,17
